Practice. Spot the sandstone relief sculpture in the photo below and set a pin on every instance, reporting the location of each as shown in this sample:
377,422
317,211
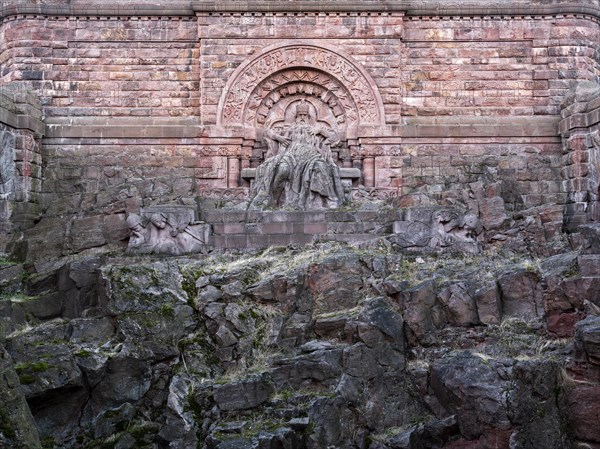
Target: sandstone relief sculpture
169,230
438,229
299,171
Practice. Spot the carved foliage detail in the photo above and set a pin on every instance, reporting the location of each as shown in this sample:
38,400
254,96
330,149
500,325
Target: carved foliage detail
244,86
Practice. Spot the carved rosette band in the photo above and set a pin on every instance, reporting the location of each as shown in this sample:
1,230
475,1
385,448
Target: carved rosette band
336,80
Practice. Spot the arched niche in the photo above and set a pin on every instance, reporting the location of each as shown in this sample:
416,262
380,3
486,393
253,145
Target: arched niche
322,74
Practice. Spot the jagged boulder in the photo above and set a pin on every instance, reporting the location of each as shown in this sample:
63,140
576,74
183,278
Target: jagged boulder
17,427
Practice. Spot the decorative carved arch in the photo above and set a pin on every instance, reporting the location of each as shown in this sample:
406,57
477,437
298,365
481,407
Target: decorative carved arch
308,82
341,81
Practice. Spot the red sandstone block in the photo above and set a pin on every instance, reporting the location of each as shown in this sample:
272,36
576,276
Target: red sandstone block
212,216
297,228
219,241
234,228
302,239
236,241
252,229
284,216
280,239
315,228
350,238
258,241
314,217
276,228
343,228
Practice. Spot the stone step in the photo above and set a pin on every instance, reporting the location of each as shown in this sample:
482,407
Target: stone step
379,228
220,216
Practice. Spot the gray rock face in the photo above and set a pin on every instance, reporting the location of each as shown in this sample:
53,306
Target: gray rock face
521,294
474,391
17,427
244,394
587,338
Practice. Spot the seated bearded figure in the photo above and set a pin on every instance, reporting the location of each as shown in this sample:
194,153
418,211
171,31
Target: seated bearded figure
299,171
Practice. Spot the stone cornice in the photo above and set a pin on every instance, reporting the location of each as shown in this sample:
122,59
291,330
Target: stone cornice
409,7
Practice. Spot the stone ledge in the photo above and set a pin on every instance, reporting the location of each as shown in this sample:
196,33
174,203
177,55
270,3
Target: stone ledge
345,173
119,131
410,7
19,121
315,216
526,126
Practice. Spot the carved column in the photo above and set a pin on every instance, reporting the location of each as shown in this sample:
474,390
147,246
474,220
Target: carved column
233,172
345,156
369,171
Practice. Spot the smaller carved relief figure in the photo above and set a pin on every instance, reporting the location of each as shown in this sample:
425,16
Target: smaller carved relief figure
438,230
299,171
449,227
170,232
139,231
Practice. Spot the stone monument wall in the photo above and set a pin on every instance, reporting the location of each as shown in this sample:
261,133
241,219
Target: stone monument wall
437,103
20,162
580,128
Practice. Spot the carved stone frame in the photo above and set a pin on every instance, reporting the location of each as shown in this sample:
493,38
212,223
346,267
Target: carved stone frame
246,93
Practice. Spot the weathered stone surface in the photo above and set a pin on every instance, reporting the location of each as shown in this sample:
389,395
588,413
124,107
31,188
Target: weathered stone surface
488,302
17,427
243,394
472,388
460,307
437,229
584,410
534,404
521,295
587,338
421,314
322,367
167,230
591,234
337,282
327,346
180,427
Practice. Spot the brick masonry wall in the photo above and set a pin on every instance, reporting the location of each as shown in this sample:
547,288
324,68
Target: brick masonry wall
108,67
491,66
131,104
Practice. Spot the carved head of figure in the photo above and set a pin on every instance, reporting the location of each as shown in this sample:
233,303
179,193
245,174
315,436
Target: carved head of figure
135,222
302,113
158,220
137,227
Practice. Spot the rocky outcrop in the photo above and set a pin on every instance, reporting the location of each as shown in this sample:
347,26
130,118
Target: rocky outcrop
331,346
17,427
